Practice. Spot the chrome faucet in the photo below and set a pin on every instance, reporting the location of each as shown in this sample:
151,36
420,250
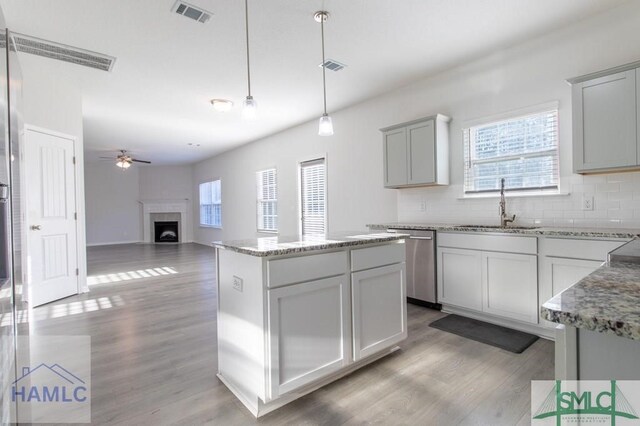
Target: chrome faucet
504,218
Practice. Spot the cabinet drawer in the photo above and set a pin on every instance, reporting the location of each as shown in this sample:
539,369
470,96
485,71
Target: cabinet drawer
372,257
502,243
305,268
578,249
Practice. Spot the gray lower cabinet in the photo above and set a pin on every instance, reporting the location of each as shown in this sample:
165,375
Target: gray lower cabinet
606,120
417,153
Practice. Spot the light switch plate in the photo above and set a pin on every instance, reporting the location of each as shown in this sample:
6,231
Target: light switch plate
237,283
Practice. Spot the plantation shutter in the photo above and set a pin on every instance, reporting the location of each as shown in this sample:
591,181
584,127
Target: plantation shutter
267,200
523,150
313,197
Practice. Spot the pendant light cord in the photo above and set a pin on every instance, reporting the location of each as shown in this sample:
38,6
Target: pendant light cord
246,23
324,80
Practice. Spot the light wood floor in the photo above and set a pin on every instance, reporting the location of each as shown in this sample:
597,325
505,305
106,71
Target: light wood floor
154,357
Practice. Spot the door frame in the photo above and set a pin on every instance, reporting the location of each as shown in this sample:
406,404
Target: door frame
81,247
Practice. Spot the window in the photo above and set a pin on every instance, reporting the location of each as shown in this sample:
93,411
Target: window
313,197
523,150
211,204
267,200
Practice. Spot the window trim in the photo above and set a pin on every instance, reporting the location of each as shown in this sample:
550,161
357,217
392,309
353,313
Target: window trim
508,116
309,159
200,224
267,231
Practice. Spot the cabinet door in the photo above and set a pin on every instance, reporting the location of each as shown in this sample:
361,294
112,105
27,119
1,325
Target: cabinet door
510,284
309,332
563,273
605,122
395,157
422,153
460,278
379,309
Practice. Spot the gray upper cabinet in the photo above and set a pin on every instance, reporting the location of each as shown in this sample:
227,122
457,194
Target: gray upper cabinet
606,120
417,153
395,154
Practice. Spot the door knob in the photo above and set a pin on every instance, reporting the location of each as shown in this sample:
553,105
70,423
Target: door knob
35,227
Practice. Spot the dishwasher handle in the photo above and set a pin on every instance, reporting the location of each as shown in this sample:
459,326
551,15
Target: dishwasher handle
420,238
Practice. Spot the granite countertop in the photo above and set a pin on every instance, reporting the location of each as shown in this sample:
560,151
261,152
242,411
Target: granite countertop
608,301
529,230
278,246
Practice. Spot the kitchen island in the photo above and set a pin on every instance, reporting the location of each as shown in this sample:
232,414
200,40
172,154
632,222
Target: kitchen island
599,333
297,313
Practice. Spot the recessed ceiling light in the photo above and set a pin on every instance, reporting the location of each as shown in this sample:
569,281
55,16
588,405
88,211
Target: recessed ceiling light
221,105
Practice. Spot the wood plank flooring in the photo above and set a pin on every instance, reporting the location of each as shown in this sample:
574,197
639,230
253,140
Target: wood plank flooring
154,356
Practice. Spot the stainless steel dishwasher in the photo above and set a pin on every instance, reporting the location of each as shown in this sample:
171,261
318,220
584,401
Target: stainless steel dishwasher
421,267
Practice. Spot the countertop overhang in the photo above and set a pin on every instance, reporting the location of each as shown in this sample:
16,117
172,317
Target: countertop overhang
607,301
528,231
287,245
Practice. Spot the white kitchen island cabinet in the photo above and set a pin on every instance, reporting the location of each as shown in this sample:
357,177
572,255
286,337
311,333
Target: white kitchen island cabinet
294,315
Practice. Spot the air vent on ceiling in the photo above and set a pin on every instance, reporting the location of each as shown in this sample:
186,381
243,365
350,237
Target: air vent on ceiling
62,52
191,11
332,65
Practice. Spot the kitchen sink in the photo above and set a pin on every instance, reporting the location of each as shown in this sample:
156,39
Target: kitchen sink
496,227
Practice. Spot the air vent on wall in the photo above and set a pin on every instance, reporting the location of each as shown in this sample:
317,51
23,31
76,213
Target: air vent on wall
332,65
191,11
62,52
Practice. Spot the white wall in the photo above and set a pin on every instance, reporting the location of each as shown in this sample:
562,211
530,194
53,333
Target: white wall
114,212
355,192
526,75
166,182
113,207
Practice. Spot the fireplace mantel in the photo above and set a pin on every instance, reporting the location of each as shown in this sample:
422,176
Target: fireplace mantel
166,206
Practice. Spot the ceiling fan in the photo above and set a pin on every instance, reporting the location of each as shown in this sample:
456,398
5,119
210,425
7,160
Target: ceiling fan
124,161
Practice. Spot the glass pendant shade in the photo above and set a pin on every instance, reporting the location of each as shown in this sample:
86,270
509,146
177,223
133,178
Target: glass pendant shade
123,164
325,127
249,108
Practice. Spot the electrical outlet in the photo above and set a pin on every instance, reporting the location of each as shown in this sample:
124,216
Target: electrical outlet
587,202
237,283
423,206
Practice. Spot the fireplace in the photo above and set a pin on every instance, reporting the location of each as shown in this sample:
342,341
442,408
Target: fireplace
166,232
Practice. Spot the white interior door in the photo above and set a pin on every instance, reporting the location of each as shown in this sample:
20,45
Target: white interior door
51,208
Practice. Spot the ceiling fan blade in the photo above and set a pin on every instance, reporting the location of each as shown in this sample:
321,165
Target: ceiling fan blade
109,158
141,161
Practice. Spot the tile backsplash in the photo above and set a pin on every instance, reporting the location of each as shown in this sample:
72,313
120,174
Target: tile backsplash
616,204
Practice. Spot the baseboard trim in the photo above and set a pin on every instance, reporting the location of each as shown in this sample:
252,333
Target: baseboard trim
114,243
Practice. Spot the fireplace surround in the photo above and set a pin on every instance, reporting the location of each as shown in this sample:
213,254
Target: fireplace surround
165,211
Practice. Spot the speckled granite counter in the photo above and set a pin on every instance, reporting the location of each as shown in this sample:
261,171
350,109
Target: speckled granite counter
278,246
607,301
533,231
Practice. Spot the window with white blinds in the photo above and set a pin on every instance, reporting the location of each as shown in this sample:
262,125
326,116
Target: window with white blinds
523,150
267,200
313,197
211,204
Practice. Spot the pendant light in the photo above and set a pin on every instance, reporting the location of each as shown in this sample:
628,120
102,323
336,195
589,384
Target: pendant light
249,106
325,127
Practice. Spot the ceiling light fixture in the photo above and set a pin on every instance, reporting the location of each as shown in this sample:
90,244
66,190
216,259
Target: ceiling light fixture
325,127
123,163
249,106
222,105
